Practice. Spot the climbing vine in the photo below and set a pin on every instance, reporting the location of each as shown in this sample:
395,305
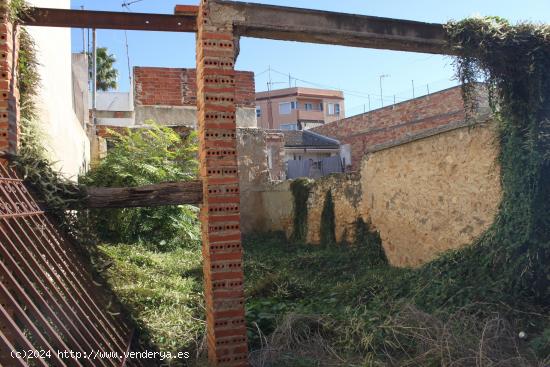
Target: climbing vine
328,222
510,261
300,192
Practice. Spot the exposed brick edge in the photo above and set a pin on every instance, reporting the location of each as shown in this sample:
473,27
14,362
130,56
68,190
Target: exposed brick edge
217,86
423,134
9,92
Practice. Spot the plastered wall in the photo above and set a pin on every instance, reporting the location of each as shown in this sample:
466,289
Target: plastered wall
64,135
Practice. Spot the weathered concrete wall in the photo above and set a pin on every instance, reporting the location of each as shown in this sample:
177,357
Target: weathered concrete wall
253,173
167,115
424,196
433,194
275,142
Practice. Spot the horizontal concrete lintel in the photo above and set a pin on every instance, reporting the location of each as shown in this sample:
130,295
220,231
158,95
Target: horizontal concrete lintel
316,26
267,21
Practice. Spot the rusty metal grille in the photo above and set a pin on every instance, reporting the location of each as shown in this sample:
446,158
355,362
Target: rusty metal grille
49,303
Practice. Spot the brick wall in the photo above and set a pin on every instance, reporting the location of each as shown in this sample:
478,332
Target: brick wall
178,87
394,122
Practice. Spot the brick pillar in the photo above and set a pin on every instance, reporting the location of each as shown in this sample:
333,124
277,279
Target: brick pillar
9,93
220,216
9,117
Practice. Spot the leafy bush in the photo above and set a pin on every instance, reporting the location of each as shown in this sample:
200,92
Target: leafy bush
147,156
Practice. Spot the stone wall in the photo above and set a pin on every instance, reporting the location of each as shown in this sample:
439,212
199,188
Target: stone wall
433,194
425,195
346,195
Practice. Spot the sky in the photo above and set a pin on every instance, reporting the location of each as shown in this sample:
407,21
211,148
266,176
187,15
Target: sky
355,71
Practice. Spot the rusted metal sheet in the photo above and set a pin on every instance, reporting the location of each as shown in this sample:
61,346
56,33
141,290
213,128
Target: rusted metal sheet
49,301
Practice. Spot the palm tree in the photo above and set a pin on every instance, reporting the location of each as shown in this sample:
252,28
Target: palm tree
106,73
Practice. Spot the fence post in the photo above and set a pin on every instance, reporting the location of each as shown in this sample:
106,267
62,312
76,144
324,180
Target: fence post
220,216
9,92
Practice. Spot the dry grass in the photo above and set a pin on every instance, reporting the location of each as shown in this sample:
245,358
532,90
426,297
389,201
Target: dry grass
299,340
415,338
461,340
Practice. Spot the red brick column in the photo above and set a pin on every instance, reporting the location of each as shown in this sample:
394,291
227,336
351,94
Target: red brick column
9,93
220,216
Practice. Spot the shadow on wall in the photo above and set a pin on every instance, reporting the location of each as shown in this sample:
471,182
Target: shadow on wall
424,197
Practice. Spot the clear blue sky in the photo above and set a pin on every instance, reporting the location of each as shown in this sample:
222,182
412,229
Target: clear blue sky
356,71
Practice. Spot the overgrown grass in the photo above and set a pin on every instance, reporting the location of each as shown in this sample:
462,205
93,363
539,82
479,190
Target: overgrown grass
322,306
342,306
162,290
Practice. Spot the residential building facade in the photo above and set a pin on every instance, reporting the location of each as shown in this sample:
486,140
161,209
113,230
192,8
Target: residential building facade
298,108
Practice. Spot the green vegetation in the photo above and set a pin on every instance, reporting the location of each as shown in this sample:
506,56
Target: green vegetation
162,291
106,73
300,191
146,156
344,306
511,259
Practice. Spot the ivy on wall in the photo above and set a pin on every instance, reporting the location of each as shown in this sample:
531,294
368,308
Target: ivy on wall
328,222
508,263
300,192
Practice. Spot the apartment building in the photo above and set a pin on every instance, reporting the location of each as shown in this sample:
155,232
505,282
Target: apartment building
298,108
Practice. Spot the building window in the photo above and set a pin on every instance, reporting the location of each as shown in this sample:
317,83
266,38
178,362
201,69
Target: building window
308,106
333,109
288,127
285,108
294,105
258,111
321,106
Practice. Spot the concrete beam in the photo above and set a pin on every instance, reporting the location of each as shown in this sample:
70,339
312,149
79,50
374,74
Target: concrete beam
315,26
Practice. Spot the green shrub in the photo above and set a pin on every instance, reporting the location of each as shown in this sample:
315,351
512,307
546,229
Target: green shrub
140,157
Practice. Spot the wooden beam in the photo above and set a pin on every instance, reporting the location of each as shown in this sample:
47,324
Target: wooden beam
315,26
168,193
47,17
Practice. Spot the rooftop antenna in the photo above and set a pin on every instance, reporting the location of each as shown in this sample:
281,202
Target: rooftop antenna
381,96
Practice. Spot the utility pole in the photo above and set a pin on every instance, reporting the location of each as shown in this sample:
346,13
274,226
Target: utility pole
381,95
289,81
94,76
413,86
369,101
269,103
83,35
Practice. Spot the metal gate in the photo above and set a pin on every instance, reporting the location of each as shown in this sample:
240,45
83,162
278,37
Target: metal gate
51,311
